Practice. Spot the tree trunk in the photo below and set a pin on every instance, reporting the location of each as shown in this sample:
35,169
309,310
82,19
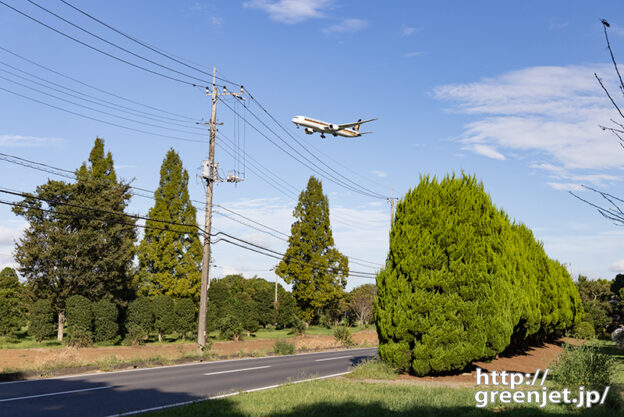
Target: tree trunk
159,336
61,322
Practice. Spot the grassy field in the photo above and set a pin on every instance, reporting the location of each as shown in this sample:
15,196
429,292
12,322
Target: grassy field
21,339
343,397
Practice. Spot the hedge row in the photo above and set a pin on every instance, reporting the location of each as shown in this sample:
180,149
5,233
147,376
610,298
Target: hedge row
462,282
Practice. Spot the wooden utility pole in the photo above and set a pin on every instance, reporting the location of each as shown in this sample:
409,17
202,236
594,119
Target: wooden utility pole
210,173
391,200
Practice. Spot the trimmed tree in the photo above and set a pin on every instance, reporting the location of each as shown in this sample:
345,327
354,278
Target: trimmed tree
164,315
315,268
41,320
170,260
105,326
361,302
185,316
12,307
80,319
140,315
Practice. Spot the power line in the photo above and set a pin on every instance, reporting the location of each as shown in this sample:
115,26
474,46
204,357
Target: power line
100,120
100,111
115,45
146,45
97,49
94,87
112,105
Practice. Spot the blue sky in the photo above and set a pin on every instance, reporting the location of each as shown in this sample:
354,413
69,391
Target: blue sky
504,90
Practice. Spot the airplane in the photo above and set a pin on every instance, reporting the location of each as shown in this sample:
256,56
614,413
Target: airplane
347,130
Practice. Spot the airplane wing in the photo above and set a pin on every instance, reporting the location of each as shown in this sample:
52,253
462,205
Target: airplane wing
359,122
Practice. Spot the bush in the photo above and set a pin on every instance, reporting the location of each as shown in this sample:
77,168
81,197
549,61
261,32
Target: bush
584,330
298,326
326,321
135,335
462,283
184,316
79,313
105,325
618,337
41,320
164,315
343,335
230,328
140,315
80,337
281,347
583,366
12,315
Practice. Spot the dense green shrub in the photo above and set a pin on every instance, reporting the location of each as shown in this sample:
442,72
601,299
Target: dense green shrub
281,347
135,335
79,313
584,330
184,316
230,328
584,366
298,325
12,312
140,315
80,337
342,334
164,315
41,320
462,283
105,327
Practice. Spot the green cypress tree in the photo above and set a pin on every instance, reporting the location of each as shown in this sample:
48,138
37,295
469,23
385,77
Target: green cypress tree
462,283
185,316
140,315
315,268
170,261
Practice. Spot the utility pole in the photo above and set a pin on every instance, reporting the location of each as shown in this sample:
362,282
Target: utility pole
210,173
391,200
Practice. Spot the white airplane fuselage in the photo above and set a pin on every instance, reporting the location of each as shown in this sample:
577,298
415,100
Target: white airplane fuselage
312,125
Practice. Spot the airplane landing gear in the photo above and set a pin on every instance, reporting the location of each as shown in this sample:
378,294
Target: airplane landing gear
322,136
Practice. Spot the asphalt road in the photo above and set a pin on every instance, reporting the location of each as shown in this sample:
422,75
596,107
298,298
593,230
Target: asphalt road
139,390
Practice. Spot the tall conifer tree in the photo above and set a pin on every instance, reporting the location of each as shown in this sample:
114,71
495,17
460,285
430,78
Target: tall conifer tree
67,250
170,261
317,270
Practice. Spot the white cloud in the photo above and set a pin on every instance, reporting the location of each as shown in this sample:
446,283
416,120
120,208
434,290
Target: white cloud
346,26
551,111
617,266
566,186
408,31
485,150
290,11
412,54
27,141
379,174
8,236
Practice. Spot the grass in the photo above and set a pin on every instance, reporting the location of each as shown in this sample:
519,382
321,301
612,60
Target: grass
373,369
342,397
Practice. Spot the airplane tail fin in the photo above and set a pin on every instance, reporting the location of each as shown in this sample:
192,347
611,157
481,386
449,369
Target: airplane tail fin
357,126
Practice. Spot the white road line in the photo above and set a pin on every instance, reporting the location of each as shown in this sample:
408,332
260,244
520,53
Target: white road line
238,370
331,359
53,393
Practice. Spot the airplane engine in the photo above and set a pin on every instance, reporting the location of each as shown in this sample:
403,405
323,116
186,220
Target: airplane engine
334,127
309,130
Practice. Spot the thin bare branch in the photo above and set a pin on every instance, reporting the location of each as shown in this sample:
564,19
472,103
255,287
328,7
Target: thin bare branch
608,95
613,59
